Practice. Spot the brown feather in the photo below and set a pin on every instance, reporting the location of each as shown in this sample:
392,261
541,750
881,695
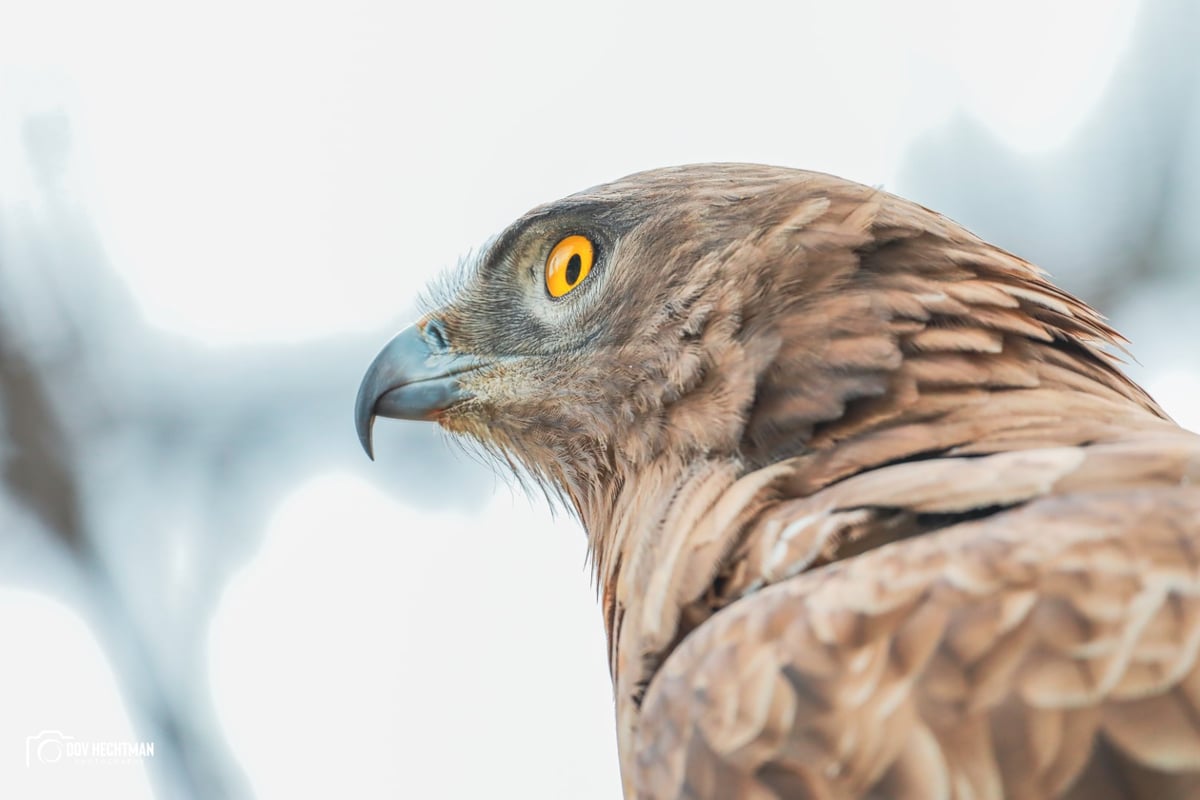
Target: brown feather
874,509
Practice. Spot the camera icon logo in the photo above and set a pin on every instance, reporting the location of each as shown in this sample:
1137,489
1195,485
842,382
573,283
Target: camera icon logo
48,747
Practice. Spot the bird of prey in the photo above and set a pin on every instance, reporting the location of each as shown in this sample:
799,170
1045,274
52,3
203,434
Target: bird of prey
872,508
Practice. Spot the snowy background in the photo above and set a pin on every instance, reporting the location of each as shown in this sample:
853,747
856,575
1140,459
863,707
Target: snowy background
213,215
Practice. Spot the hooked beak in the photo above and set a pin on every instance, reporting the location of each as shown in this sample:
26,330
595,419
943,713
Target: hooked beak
415,376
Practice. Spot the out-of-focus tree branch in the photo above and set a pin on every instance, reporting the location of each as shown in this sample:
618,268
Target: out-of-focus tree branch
124,444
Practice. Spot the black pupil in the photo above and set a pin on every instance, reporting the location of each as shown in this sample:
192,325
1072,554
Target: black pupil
573,268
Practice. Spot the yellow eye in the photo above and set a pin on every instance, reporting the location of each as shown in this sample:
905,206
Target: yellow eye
569,263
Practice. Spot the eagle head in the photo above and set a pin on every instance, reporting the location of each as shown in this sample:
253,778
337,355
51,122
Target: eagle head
608,329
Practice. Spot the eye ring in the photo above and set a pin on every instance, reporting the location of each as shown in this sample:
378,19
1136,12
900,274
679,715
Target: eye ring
569,264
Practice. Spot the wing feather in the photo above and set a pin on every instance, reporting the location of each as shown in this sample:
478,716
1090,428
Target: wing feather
998,657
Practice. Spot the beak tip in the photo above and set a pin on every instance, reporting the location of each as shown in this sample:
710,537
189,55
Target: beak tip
364,420
365,438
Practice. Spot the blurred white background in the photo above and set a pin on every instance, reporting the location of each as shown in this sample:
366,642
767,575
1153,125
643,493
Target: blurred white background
211,217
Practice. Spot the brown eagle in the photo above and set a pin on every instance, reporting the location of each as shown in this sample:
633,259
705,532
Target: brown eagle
873,509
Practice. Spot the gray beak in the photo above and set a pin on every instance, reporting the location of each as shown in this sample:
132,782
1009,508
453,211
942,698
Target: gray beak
415,376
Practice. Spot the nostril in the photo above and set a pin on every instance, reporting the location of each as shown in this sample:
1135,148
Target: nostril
435,335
